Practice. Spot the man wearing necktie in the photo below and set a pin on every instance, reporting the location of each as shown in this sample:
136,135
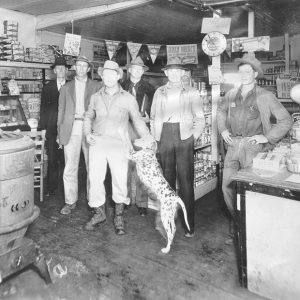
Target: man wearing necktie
48,121
143,92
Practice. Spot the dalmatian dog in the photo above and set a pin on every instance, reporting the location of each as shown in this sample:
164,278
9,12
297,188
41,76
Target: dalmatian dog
149,172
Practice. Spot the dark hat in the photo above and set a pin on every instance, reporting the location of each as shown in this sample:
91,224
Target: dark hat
174,63
60,61
83,58
137,62
250,59
110,65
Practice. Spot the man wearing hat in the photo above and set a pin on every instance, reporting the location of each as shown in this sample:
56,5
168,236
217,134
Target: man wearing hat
243,118
48,121
143,91
74,100
106,125
176,121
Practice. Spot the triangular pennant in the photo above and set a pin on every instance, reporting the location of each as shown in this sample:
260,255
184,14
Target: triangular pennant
153,50
134,49
111,47
228,47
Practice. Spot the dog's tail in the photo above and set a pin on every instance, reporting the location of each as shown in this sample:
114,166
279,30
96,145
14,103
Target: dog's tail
180,202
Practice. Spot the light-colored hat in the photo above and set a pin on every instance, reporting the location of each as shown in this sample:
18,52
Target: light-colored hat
250,59
83,58
137,62
110,65
174,63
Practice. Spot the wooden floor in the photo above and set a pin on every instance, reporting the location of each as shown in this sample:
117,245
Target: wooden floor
101,265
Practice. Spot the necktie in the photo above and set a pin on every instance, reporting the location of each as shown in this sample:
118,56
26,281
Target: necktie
132,90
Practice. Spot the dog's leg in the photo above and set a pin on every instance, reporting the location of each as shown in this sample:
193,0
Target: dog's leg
168,221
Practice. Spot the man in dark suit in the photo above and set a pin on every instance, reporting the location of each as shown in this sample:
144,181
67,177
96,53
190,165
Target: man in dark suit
48,121
143,91
74,100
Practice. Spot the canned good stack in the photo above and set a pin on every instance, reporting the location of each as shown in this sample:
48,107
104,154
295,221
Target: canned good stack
205,167
205,138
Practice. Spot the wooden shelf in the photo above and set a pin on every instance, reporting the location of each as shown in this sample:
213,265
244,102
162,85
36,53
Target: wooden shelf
206,187
22,79
282,61
18,64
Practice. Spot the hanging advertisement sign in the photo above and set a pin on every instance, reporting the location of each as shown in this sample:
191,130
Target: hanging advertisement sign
111,47
100,52
72,44
216,24
153,50
134,49
246,44
187,53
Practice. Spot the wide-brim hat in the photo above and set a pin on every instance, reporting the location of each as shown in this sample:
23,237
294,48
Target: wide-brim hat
250,59
110,65
60,61
83,58
174,63
137,62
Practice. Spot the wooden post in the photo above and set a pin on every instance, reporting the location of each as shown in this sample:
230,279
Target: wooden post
287,52
215,96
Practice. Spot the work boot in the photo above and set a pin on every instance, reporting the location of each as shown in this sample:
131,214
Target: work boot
98,217
67,209
118,220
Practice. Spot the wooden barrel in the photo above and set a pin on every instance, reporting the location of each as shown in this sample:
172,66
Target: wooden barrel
17,209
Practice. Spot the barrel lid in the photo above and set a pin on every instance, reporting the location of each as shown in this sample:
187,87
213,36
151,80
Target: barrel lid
12,142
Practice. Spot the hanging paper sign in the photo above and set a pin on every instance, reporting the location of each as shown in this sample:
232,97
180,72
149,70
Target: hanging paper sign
187,53
134,49
100,52
153,50
72,44
214,75
260,43
111,47
216,24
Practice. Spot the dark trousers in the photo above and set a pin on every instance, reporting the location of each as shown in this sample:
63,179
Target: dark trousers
55,159
177,158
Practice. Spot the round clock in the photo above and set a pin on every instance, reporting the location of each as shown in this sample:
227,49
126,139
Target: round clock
214,43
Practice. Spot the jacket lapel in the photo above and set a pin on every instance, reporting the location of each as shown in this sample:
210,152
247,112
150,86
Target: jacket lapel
73,91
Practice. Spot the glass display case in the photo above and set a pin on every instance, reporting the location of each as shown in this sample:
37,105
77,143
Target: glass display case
12,116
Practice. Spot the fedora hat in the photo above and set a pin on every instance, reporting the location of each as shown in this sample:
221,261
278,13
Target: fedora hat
137,62
250,59
60,61
174,63
110,65
83,58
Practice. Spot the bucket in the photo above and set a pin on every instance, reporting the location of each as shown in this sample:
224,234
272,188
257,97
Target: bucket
17,209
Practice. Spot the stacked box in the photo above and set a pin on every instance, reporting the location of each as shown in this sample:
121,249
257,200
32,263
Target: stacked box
5,47
11,29
43,54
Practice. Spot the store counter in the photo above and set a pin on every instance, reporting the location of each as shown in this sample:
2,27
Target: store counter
268,229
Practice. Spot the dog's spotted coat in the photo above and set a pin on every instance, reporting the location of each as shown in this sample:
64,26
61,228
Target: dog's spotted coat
149,172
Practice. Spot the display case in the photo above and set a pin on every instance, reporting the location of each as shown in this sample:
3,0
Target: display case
12,116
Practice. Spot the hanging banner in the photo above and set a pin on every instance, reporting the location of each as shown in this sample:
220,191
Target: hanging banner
72,44
260,43
153,50
111,47
216,24
134,49
187,53
100,52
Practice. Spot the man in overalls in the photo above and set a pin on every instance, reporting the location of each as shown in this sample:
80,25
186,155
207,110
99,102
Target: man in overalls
243,118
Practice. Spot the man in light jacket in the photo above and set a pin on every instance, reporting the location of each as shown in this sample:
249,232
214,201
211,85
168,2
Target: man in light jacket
106,125
176,121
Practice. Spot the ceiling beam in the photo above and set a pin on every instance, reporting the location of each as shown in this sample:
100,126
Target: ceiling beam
47,20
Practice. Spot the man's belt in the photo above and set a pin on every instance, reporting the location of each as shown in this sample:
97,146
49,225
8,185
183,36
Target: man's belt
79,119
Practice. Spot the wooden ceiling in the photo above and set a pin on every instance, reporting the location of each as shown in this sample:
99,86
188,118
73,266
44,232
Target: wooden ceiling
165,21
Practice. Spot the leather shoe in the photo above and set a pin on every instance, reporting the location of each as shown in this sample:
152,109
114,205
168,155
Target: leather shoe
67,209
142,211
